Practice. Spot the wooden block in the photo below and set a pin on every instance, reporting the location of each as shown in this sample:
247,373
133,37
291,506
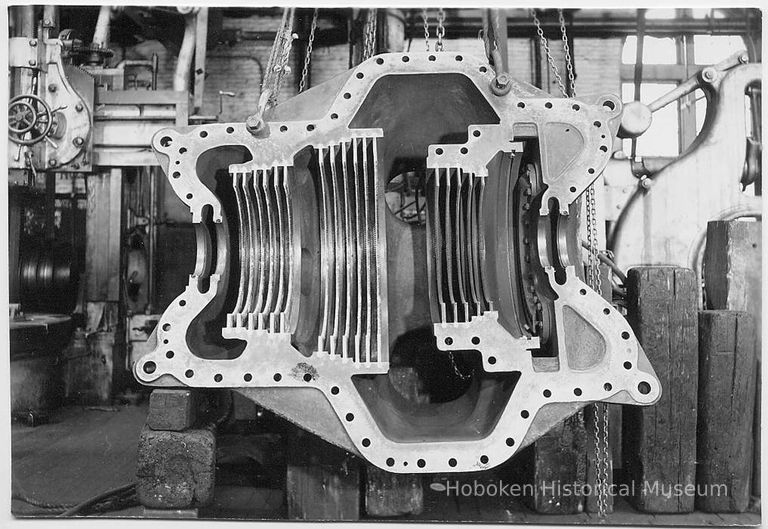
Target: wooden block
322,480
726,410
732,281
176,470
172,409
659,442
388,494
560,461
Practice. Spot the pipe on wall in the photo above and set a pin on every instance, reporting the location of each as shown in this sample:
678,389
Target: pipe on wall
187,51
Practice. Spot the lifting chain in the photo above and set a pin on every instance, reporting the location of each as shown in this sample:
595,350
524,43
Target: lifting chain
308,55
594,280
369,39
440,29
425,18
277,67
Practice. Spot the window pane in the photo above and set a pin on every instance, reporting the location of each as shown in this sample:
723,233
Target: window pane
711,49
701,109
660,13
655,50
663,136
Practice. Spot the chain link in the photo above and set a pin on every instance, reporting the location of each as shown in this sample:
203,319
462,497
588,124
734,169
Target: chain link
594,280
369,44
308,55
440,29
425,18
550,59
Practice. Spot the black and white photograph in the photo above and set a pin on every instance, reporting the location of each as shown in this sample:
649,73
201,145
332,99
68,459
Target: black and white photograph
411,264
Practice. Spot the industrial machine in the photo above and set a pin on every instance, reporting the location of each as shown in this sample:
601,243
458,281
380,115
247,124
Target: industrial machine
314,298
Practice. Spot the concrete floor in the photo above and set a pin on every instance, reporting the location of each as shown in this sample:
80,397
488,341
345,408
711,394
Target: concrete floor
83,452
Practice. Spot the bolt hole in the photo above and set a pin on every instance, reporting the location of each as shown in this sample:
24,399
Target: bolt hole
583,292
510,441
248,377
524,414
347,95
548,104
406,58
350,417
438,151
421,463
307,377
459,58
606,311
150,367
483,69
463,150
182,302
476,134
576,107
390,462
591,170
277,377
379,61
360,75
451,462
182,150
491,360
573,189
310,127
597,124
176,174
166,141
166,326
203,134
577,392
547,393
627,365
366,442
610,105
165,341
335,390
169,355
604,148
334,116
218,377
432,58
607,386
283,128
644,388
521,105
189,373
189,196
625,335
449,341
484,459
230,130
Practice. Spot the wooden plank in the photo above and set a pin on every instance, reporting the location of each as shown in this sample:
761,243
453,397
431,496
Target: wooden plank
733,281
726,404
659,442
103,236
322,480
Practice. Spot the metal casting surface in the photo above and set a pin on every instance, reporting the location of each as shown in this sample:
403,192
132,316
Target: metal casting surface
314,299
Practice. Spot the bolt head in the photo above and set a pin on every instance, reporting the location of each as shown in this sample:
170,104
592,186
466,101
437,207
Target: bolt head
33,42
78,141
502,80
79,107
52,162
52,87
32,62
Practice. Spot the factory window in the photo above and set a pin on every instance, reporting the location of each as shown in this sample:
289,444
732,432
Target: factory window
662,138
711,49
656,50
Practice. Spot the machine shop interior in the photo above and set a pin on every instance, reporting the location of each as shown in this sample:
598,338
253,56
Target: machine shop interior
443,264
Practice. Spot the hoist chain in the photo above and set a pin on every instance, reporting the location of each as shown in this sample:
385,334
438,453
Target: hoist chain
440,29
308,55
369,41
425,18
594,280
277,67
